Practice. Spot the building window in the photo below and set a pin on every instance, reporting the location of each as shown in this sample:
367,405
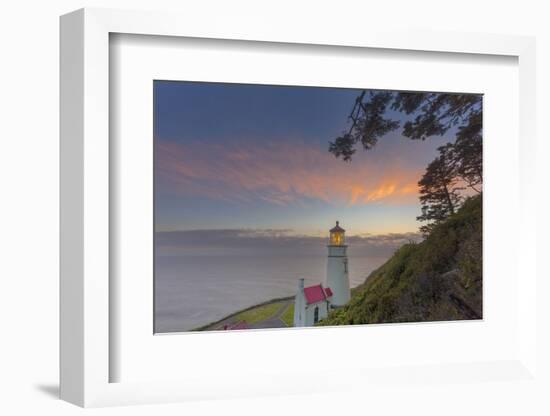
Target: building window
316,315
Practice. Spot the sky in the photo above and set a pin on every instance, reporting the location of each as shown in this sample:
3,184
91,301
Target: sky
255,159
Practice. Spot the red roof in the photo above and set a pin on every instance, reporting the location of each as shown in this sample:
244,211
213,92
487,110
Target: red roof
316,294
239,325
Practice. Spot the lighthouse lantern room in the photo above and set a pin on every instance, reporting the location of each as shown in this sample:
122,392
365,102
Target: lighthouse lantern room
337,235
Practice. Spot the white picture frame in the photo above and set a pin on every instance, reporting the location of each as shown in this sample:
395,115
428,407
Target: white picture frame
86,304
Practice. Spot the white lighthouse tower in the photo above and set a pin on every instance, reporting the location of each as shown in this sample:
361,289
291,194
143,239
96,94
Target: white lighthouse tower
337,267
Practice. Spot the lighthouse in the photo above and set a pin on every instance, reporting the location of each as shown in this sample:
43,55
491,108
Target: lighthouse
337,267
313,303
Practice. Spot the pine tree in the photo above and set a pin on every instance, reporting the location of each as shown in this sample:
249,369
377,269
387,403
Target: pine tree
439,189
458,165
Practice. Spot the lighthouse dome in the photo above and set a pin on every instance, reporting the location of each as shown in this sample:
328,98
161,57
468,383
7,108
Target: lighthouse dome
337,228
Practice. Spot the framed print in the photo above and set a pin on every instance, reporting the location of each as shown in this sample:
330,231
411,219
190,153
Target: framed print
308,198
246,176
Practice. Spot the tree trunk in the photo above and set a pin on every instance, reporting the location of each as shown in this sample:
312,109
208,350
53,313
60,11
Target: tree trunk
451,206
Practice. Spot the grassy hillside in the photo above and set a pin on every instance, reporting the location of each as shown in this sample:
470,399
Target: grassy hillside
437,279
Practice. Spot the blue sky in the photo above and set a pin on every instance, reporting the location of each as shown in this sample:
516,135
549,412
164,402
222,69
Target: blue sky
232,156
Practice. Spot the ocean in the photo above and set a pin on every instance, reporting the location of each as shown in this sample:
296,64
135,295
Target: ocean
194,290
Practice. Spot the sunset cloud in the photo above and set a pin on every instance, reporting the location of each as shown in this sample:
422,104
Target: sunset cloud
281,173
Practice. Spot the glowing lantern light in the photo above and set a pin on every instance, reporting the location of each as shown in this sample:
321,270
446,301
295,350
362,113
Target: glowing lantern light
337,237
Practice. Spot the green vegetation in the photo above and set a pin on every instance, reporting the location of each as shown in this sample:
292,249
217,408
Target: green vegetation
261,313
288,315
437,279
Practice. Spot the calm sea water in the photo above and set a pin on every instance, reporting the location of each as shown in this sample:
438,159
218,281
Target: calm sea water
191,290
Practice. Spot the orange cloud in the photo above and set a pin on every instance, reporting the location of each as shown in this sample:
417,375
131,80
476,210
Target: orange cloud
280,173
